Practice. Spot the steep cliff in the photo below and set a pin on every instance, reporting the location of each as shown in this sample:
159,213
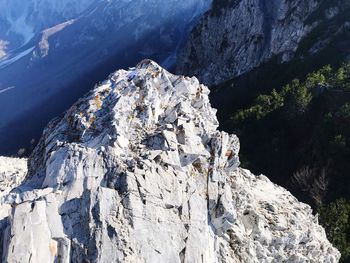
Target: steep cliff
136,171
237,36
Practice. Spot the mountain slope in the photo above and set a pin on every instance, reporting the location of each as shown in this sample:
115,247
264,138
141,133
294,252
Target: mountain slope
237,37
300,136
294,131
57,64
22,20
136,171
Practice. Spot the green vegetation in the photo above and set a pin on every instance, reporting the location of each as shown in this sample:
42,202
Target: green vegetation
335,219
300,137
295,126
328,43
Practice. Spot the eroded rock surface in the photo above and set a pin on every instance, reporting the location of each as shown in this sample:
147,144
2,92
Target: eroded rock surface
136,171
12,173
244,34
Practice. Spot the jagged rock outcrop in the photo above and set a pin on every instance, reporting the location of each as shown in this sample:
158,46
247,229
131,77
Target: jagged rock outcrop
136,171
239,35
12,173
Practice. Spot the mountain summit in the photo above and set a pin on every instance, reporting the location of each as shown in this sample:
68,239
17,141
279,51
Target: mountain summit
136,171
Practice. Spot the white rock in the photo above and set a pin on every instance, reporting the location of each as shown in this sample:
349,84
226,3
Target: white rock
146,177
12,172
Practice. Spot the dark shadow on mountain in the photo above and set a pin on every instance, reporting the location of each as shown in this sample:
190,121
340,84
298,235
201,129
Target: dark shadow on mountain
28,126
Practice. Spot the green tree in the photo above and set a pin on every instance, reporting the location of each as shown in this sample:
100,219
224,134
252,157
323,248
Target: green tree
297,96
335,219
305,124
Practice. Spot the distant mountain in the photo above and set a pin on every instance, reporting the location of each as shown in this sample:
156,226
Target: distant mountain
22,20
243,48
238,36
51,62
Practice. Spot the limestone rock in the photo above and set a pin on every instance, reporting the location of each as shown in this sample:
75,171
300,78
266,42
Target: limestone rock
136,171
12,172
243,35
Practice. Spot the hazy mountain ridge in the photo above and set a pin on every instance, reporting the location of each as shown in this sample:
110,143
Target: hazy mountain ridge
22,20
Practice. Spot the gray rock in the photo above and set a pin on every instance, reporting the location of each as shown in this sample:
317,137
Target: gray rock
136,171
12,173
244,35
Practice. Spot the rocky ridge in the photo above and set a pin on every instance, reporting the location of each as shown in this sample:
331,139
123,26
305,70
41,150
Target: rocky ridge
136,171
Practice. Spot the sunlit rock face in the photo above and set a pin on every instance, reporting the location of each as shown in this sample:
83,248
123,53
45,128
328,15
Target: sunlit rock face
136,171
12,173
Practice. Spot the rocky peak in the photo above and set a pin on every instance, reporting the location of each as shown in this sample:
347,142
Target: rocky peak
136,171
